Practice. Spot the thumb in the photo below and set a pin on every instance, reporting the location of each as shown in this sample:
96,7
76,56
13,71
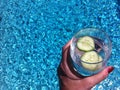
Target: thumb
95,79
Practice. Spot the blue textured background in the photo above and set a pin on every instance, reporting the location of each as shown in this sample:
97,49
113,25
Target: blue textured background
32,33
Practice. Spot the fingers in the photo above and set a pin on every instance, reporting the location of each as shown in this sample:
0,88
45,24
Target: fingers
66,63
67,45
65,51
95,79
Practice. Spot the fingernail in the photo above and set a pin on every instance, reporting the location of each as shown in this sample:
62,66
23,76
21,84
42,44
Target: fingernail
110,69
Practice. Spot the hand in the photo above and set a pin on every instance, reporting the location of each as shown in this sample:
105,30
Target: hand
71,80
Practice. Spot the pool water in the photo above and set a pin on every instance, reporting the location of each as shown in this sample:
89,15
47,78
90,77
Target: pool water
32,33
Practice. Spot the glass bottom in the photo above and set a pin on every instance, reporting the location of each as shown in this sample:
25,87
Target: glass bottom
84,72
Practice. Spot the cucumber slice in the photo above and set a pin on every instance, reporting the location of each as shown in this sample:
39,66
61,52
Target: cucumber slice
86,43
99,65
100,58
90,59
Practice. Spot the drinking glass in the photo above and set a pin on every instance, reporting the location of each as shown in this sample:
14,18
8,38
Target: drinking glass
103,47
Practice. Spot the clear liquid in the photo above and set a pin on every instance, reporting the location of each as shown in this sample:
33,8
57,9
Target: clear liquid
100,48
